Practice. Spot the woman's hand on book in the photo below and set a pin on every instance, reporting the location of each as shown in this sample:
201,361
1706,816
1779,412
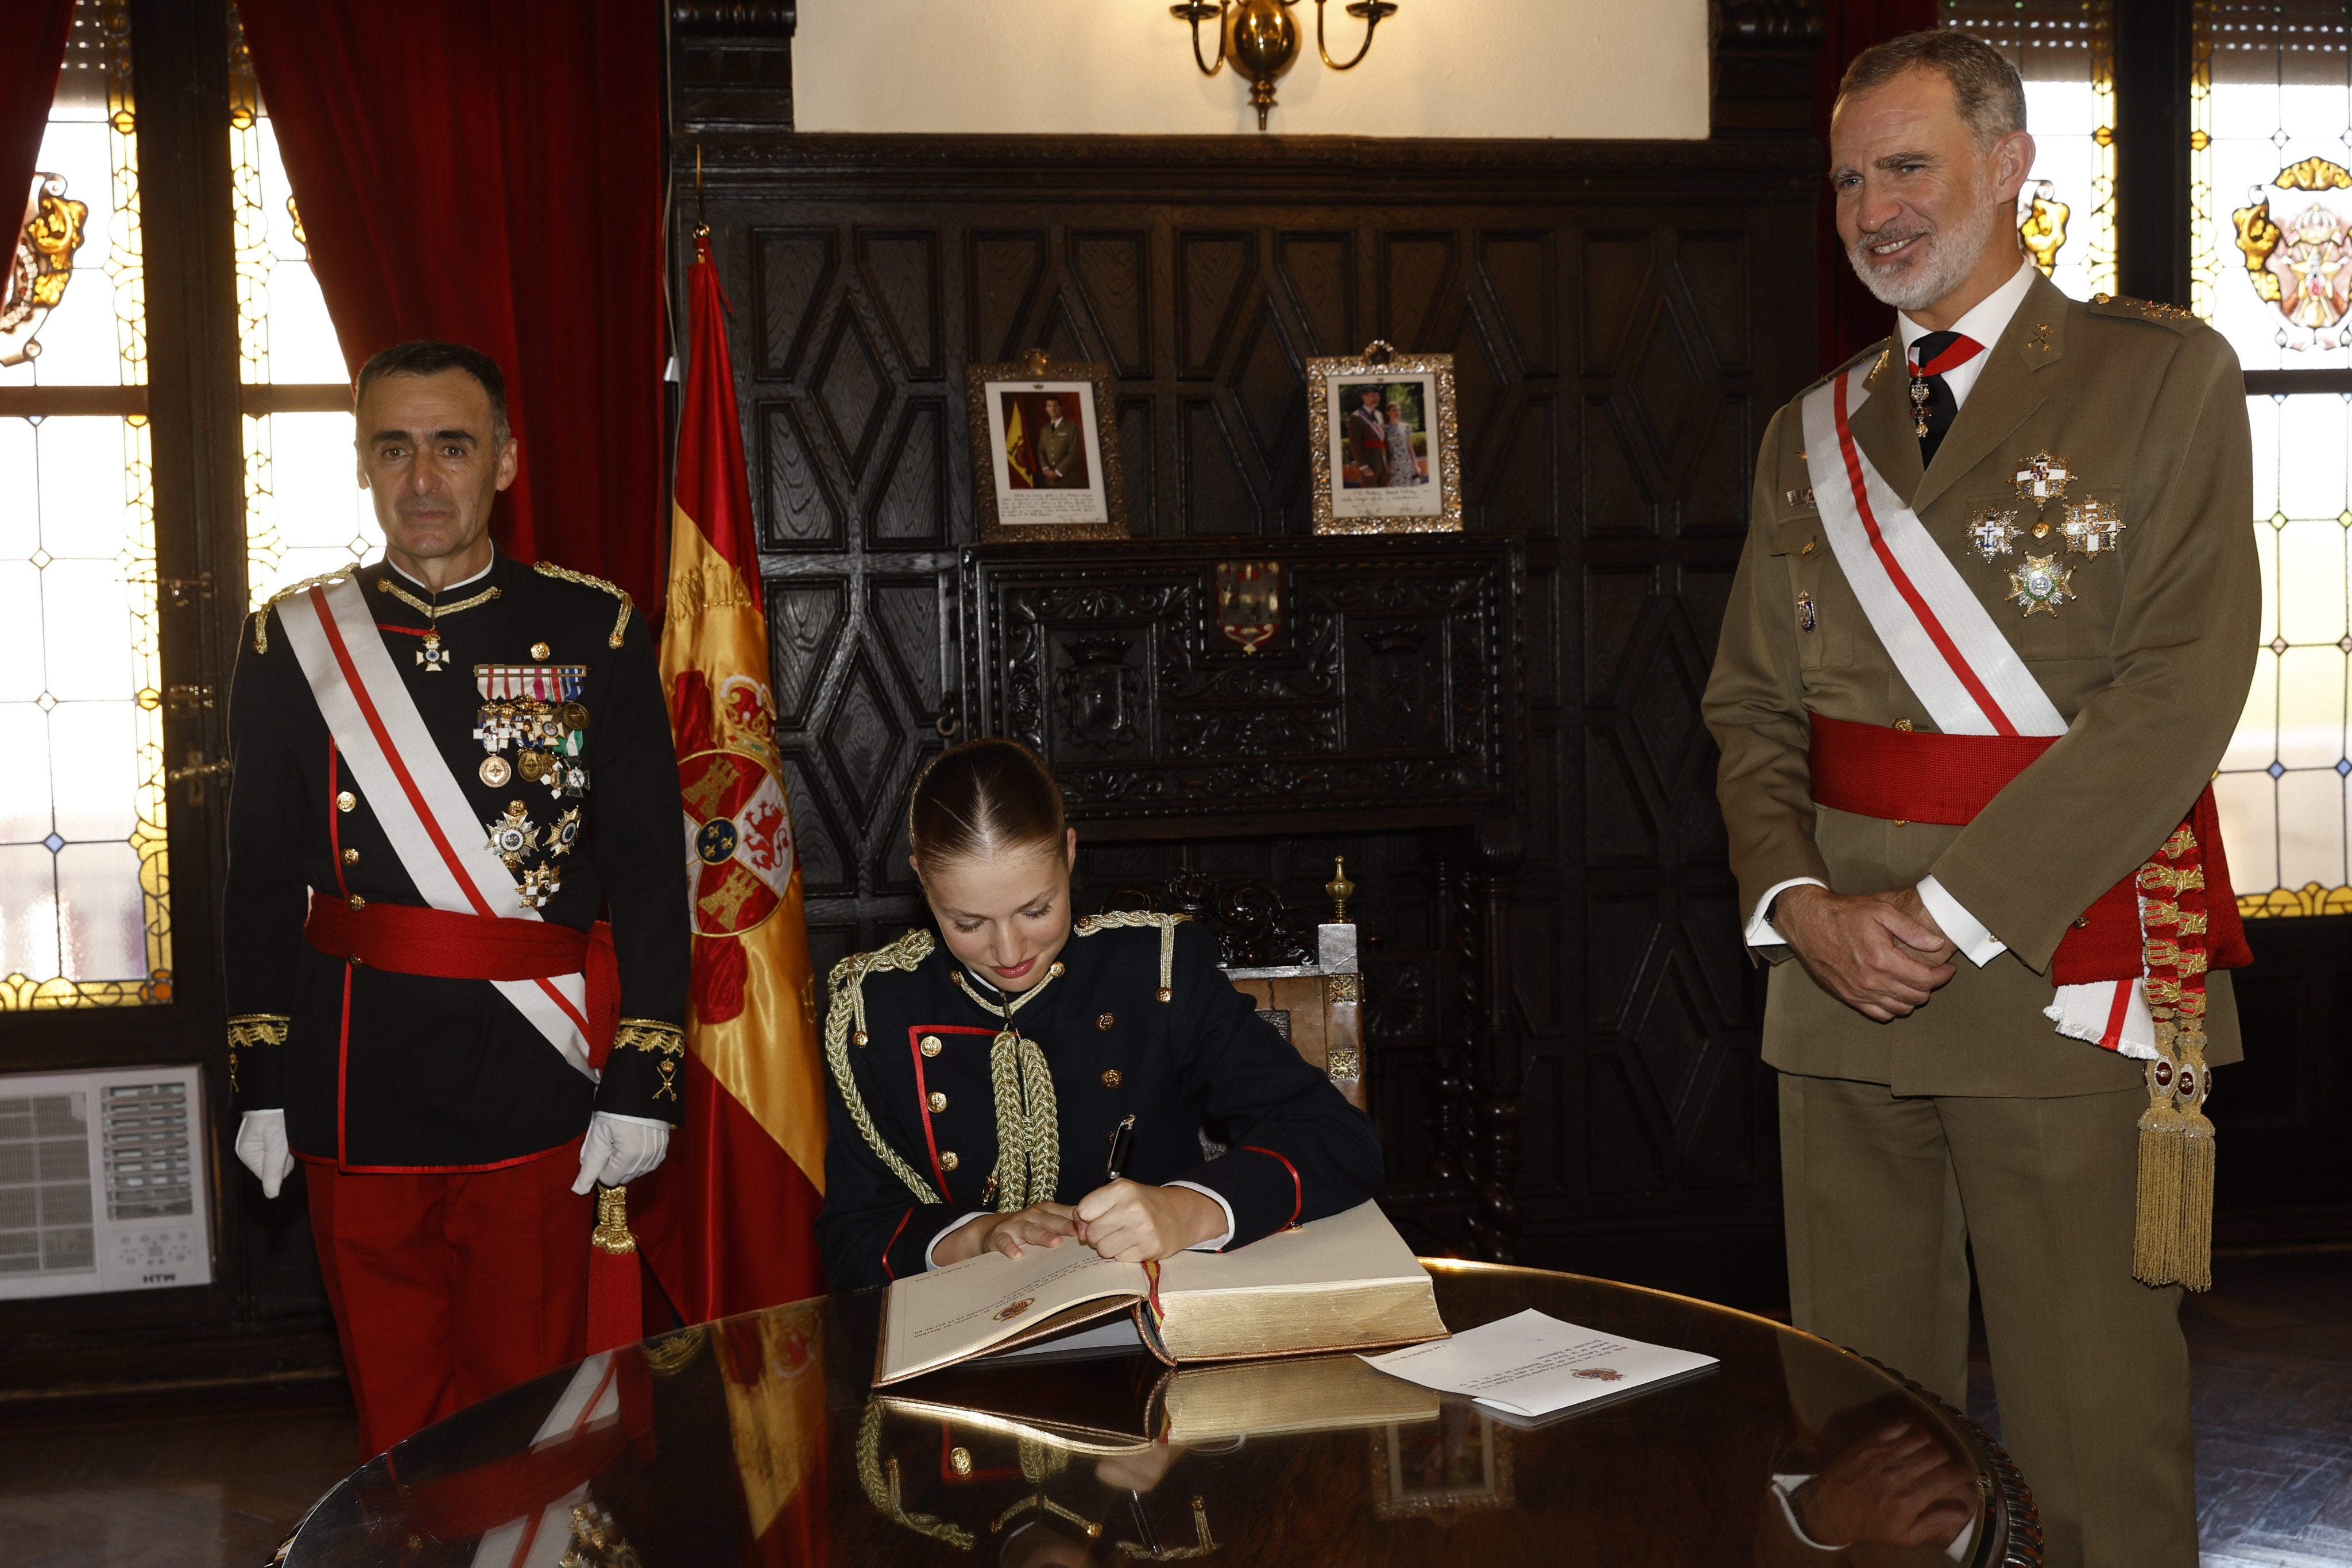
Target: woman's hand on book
1045,1225
1130,1222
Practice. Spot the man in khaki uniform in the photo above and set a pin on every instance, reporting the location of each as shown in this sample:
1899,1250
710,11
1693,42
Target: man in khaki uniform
1061,454
1928,1108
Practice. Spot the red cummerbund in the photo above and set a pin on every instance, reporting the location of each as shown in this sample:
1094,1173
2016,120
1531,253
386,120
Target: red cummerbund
407,940
1911,776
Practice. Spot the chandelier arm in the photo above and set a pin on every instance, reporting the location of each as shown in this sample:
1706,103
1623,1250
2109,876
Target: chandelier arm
1195,12
1372,15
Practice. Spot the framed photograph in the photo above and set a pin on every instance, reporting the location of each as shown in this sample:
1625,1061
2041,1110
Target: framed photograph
1388,453
1046,462
1460,1461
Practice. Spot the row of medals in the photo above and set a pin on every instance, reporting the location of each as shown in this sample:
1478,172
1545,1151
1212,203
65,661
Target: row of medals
549,737
2090,528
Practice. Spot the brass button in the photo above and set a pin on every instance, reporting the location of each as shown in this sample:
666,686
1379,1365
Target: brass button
351,857
346,800
1104,1020
858,1039
1902,821
1166,995
358,903
2042,530
1809,547
947,1160
938,1102
930,1045
539,649
960,1461
1904,725
1112,1078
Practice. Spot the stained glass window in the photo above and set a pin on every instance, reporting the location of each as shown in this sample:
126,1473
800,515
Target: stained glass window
305,513
85,884
2271,186
2064,50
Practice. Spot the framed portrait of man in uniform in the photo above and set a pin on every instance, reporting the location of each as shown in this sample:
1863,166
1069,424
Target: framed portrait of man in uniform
1038,453
1386,450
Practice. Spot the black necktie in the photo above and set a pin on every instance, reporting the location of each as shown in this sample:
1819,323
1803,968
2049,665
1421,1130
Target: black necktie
1931,356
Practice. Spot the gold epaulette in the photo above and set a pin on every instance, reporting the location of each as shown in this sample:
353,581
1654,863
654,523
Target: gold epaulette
565,574
2181,321
261,616
845,1015
1114,919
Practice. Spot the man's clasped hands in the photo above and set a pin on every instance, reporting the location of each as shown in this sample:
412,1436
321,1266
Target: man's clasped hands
1882,953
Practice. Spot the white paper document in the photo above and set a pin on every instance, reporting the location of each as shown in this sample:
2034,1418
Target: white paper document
1532,1365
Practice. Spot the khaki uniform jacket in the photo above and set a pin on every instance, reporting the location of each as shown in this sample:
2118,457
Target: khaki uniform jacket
1059,448
2150,664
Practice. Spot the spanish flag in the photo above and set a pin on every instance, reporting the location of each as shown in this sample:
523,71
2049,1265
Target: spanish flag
1016,448
728,1222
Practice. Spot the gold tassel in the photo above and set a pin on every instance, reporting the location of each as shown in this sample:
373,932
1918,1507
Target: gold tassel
2194,1246
2155,1224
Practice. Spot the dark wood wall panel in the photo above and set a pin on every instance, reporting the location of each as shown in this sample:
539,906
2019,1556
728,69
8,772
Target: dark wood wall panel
1622,317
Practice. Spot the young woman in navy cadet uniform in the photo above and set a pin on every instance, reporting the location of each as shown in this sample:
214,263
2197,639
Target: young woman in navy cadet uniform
979,1069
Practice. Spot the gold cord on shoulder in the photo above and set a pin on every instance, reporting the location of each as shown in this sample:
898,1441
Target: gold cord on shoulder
565,574
1115,919
847,984
879,1479
261,616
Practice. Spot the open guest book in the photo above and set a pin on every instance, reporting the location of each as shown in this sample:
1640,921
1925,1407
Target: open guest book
1348,1282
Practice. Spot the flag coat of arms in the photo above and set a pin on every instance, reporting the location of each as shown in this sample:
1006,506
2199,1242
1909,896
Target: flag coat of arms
727,1221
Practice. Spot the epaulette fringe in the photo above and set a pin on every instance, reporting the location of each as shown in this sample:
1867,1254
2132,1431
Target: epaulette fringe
261,616
565,574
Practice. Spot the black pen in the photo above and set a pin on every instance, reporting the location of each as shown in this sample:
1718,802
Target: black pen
1122,1144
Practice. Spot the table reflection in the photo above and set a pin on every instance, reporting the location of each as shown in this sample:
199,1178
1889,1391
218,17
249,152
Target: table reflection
759,1441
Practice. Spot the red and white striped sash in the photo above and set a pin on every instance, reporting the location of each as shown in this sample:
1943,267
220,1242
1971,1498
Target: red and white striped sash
1945,644
410,788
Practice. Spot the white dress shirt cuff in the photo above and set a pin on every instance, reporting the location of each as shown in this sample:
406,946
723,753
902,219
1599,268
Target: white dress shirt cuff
1964,930
1784,1491
1215,1243
931,1253
1759,924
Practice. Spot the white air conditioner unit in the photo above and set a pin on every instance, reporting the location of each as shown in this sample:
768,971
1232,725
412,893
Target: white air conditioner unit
103,1182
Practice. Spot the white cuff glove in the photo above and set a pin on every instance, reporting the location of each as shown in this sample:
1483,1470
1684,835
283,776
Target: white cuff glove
619,1149
261,1144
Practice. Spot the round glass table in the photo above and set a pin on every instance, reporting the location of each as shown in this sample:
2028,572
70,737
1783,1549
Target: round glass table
759,1441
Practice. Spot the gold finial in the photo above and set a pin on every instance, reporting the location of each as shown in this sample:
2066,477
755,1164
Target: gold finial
612,1232
1340,888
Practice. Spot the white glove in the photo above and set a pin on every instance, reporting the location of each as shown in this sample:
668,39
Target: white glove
619,1149
261,1144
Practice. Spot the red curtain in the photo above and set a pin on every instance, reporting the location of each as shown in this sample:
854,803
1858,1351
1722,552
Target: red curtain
1851,320
492,175
32,48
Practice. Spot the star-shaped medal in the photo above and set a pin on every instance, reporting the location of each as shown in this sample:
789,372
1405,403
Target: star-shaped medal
2091,527
512,836
2040,585
2042,478
1993,532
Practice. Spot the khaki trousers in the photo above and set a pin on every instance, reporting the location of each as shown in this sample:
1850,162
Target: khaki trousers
1886,1198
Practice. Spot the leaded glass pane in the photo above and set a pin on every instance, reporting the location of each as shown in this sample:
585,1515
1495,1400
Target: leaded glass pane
2272,162
2064,50
305,513
84,874
2271,252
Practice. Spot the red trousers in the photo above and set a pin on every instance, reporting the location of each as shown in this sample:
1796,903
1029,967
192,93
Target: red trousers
450,1286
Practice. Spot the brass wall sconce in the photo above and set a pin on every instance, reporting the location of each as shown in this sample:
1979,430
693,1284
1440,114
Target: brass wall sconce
1261,39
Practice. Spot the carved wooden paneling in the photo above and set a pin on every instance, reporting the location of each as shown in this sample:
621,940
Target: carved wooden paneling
1622,316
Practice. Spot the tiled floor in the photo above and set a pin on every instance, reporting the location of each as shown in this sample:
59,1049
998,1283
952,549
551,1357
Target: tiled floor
2271,1346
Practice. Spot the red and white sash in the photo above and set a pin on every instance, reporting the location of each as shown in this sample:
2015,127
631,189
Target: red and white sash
408,784
1946,647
